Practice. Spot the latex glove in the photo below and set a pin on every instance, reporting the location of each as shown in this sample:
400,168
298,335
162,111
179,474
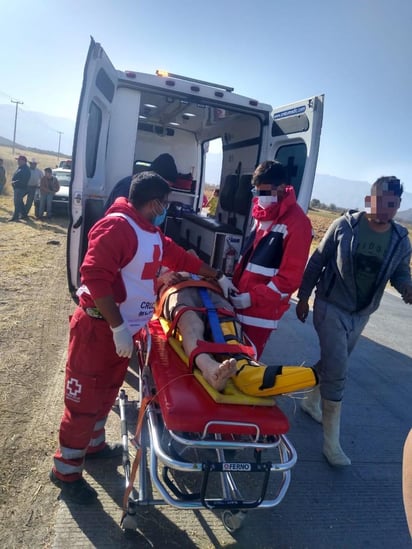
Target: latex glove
123,340
226,284
302,310
241,301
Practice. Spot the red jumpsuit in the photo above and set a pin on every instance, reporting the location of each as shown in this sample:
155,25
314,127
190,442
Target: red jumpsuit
117,263
271,265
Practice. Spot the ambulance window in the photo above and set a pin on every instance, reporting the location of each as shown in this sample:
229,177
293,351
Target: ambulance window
213,161
290,124
94,125
105,85
293,157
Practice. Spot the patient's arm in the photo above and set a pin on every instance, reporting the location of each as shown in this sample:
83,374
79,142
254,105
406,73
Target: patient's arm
170,278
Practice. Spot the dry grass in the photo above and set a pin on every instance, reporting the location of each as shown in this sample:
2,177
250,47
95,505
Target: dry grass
25,249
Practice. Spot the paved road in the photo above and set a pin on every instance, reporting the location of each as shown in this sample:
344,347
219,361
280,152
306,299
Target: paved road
357,507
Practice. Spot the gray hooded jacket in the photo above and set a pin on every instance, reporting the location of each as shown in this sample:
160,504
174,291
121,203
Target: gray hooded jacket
331,266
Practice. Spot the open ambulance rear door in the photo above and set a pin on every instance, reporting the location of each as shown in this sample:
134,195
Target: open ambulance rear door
294,137
97,114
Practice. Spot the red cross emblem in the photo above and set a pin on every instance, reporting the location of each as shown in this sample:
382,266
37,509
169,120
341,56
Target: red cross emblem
74,388
151,269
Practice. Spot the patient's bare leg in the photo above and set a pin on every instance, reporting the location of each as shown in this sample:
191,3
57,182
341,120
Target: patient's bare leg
216,374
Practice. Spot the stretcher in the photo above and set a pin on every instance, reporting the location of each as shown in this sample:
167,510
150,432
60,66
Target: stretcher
195,451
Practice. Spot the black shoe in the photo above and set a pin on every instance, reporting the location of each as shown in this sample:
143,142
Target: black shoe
78,491
110,451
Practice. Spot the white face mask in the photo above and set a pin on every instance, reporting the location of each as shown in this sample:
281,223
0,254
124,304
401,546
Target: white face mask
266,201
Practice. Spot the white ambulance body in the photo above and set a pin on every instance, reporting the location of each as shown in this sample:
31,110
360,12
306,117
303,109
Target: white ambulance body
126,119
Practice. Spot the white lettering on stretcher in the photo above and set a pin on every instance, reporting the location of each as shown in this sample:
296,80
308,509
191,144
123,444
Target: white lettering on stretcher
236,467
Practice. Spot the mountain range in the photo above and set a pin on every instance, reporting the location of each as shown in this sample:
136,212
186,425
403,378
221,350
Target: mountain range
37,128
346,193
44,131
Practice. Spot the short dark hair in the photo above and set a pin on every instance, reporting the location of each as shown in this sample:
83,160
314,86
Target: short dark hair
48,170
147,186
269,171
388,183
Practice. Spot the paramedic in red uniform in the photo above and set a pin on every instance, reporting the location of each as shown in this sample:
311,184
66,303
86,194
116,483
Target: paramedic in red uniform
125,251
274,256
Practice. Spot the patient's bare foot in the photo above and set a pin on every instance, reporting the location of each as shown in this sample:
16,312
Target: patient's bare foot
214,373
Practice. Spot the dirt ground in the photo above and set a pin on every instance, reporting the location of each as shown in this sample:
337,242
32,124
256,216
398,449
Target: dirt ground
34,310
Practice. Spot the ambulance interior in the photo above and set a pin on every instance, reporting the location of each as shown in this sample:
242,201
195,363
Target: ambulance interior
210,144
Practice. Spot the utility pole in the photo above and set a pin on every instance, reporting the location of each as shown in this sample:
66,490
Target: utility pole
58,151
15,122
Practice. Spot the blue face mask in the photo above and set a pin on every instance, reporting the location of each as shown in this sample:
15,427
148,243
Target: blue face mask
158,219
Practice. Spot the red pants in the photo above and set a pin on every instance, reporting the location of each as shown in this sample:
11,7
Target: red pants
94,375
258,336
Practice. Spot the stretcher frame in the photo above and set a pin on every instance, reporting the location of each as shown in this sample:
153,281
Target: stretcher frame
161,448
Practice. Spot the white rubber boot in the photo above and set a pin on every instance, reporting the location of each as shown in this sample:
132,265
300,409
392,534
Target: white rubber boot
331,432
311,404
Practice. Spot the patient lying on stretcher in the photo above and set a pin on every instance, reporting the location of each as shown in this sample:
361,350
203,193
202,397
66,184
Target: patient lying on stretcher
213,341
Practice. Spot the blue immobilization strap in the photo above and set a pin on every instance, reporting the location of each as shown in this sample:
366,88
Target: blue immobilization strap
217,333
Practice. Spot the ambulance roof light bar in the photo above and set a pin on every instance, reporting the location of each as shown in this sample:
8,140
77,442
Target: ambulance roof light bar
166,74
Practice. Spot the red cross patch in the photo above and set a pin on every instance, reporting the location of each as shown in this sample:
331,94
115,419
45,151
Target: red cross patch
150,269
74,388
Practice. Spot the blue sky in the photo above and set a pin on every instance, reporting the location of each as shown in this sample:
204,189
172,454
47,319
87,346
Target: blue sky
357,52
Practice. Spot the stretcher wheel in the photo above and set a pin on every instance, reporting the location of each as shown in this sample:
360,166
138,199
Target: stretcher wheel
233,520
129,522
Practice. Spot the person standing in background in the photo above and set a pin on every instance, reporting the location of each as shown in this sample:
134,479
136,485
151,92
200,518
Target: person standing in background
350,269
212,203
34,184
2,176
49,186
19,183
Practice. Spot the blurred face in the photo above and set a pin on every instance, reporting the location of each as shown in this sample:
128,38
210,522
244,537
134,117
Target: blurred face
383,205
268,194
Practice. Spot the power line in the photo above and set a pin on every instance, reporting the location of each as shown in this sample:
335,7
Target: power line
15,121
58,152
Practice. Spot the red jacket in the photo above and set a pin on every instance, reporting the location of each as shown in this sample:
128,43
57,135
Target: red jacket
272,263
113,244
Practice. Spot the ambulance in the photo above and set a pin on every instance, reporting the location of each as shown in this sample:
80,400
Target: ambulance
126,119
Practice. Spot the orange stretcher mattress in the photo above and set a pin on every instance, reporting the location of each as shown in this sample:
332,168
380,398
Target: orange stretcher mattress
187,406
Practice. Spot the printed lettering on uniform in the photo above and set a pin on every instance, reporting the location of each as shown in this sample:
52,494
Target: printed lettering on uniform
73,389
